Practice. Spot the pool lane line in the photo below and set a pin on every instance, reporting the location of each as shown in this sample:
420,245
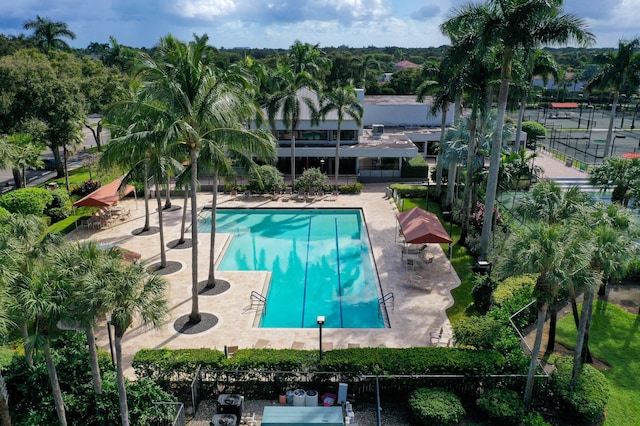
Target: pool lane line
338,273
306,272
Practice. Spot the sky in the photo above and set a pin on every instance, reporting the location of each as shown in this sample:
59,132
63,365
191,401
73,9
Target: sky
279,23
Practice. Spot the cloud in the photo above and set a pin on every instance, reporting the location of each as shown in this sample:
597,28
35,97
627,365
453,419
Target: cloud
426,13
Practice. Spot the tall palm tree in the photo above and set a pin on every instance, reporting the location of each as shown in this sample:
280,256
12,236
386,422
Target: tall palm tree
556,254
620,71
194,99
48,34
512,25
5,325
344,102
128,292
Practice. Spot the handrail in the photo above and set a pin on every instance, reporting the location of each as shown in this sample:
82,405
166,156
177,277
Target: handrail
259,298
382,303
383,308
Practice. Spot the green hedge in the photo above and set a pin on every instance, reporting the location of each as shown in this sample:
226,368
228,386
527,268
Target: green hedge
436,407
27,201
416,167
352,188
166,365
409,191
502,406
507,288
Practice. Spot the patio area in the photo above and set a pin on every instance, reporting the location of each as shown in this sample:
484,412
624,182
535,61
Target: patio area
417,309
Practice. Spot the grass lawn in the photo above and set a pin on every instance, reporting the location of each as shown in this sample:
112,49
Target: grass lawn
462,262
615,339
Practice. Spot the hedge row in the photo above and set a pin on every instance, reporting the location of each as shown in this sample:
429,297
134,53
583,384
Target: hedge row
179,364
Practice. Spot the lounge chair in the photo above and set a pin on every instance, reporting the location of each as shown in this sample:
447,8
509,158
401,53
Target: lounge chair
229,351
333,196
302,195
297,345
261,344
327,346
353,345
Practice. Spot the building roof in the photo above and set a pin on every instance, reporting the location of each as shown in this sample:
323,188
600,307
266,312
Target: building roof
405,64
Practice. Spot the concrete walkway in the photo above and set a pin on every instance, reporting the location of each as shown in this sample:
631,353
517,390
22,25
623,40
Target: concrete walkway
414,312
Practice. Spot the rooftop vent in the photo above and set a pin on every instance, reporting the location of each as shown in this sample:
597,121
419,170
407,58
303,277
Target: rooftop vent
377,130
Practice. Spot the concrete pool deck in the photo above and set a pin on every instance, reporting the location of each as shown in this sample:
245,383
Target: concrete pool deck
414,312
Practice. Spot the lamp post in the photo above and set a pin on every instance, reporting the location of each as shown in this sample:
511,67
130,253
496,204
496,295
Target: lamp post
320,321
322,165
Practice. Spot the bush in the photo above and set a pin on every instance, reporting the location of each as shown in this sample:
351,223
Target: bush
506,289
476,218
534,419
589,398
27,201
409,191
503,406
534,130
477,332
266,178
352,188
60,206
86,188
312,178
416,167
436,407
482,289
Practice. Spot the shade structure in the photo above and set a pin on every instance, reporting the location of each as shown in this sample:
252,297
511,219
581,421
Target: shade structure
421,227
106,195
564,105
631,155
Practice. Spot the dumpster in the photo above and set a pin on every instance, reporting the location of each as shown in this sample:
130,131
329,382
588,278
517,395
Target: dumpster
230,404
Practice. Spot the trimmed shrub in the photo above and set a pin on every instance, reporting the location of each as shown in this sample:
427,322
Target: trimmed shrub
265,178
589,398
164,365
312,178
533,130
409,191
27,201
503,406
506,289
534,419
477,332
4,213
416,167
60,206
86,188
352,188
436,407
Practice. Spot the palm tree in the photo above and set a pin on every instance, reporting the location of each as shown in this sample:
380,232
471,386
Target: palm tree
344,102
127,291
620,71
556,254
193,99
48,34
512,25
286,99
5,325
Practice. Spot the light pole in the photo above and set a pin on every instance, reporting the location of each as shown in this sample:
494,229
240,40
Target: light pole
320,321
322,165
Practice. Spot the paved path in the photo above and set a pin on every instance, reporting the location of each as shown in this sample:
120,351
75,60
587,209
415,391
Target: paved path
414,313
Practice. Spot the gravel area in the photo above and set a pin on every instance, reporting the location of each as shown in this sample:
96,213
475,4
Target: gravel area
365,413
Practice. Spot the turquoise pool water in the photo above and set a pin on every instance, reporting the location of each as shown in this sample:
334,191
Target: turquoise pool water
320,262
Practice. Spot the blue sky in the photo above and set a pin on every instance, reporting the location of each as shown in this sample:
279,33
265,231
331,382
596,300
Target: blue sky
278,23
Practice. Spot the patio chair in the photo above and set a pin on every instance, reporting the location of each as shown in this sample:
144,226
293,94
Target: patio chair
327,346
297,345
234,194
353,345
302,195
333,196
229,351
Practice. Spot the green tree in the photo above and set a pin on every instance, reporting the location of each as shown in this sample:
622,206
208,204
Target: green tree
621,174
49,34
128,292
343,101
557,255
540,22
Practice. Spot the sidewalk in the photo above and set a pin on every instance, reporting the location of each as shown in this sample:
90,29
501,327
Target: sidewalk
556,169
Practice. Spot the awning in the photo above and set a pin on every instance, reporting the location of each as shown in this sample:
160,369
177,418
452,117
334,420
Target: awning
106,195
421,227
564,105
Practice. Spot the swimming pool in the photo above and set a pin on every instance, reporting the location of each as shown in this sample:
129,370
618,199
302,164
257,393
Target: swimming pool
320,262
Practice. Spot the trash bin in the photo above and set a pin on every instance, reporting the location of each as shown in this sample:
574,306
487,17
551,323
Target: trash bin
290,397
299,396
230,404
311,399
224,420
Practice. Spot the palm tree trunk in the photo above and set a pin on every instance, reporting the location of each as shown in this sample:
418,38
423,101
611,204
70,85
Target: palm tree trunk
163,250
614,107
122,390
553,319
28,355
183,227
338,154
5,416
523,106
211,279
451,184
66,167
55,384
17,178
443,129
471,153
457,108
147,213
194,316
587,307
494,165
93,360
576,318
167,201
528,389
293,158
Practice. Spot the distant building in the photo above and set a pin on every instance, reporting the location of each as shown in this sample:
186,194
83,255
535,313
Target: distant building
405,64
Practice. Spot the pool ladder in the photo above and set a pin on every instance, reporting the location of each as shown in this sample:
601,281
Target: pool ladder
382,303
258,298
